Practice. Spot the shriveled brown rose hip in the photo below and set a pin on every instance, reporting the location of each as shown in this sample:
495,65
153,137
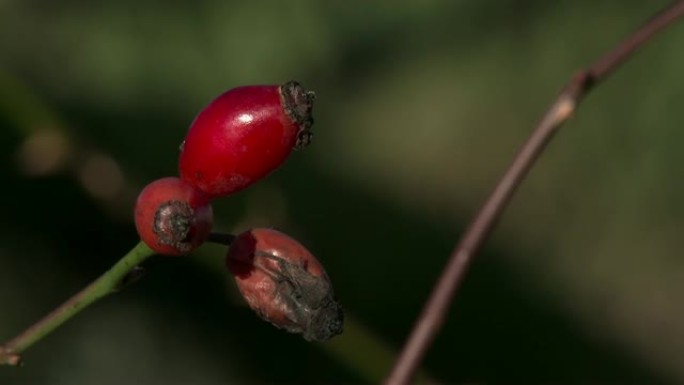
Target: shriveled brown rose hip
285,284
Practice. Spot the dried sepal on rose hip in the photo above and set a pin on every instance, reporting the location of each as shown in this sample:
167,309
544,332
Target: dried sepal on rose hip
244,134
172,217
285,284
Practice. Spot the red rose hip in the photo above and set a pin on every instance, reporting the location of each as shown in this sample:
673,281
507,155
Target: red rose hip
243,135
172,217
285,284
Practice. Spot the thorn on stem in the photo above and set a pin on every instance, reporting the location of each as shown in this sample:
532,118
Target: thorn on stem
131,277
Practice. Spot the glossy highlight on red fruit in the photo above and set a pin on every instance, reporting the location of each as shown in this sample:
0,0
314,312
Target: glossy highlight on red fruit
285,284
243,135
172,217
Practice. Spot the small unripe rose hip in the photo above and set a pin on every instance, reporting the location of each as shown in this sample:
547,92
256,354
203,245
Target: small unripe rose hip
172,217
243,135
285,284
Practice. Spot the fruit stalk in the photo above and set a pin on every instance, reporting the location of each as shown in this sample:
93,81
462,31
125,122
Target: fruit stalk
109,282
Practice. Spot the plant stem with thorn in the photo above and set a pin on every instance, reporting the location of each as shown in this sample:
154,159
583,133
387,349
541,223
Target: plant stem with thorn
109,282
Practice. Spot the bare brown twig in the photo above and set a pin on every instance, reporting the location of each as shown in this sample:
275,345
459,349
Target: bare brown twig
434,312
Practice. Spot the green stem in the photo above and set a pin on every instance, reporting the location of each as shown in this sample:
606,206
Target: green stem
108,283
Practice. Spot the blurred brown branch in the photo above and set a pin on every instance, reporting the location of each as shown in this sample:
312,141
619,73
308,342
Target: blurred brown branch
434,312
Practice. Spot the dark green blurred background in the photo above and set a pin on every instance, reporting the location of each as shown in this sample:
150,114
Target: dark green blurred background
420,106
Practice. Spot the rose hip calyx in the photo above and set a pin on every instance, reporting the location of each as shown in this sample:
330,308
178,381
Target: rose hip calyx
172,224
298,105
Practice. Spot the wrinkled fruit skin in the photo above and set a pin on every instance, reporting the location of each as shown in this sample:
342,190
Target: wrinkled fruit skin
243,135
285,284
172,217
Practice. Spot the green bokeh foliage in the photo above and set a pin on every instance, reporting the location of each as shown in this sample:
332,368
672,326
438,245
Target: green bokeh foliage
420,105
